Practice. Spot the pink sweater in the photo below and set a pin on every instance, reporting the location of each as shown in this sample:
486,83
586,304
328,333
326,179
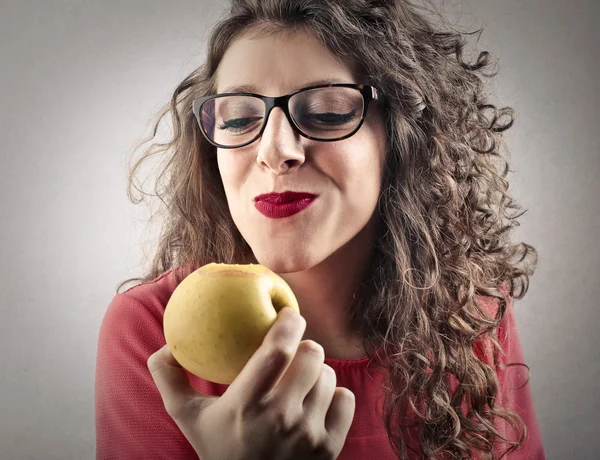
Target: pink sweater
132,424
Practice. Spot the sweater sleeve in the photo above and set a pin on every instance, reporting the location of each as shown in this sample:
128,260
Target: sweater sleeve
514,391
131,421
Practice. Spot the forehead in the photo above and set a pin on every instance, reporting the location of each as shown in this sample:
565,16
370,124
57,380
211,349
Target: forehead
280,62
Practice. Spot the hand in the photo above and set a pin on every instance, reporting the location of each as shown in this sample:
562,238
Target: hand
283,405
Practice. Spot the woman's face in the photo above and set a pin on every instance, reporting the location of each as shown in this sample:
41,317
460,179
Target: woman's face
345,175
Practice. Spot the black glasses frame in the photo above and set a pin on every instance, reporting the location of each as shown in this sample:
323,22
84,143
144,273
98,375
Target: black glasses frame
369,93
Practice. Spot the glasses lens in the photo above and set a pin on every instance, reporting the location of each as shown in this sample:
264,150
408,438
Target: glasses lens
327,113
232,120
321,113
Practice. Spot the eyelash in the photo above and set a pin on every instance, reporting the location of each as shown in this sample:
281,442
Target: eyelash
339,118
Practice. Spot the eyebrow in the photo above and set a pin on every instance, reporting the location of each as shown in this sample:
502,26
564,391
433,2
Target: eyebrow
249,88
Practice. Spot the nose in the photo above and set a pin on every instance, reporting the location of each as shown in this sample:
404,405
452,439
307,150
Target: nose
280,148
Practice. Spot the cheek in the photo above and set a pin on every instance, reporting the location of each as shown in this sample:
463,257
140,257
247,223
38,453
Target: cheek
355,167
230,169
228,173
234,170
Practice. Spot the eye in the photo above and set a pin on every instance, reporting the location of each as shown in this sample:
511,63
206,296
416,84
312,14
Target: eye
328,119
238,124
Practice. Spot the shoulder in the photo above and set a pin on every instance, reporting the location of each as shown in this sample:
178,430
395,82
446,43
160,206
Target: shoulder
136,314
506,334
150,296
153,295
133,320
132,329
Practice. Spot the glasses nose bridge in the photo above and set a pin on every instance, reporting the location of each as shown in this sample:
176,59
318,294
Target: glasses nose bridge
283,103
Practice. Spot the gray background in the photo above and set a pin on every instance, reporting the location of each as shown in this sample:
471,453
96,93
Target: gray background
80,81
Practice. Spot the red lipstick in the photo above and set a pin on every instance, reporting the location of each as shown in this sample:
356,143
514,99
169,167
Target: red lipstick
279,205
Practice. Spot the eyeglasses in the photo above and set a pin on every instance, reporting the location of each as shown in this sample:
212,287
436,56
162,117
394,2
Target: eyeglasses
324,113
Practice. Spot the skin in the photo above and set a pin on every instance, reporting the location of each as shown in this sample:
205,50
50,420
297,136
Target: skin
322,251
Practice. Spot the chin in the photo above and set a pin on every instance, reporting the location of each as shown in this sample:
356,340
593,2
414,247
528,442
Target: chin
286,262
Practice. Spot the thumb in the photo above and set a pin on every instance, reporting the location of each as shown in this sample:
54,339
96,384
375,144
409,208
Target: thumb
173,384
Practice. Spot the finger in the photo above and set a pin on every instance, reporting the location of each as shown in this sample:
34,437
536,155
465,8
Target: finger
266,366
317,402
171,380
340,415
301,375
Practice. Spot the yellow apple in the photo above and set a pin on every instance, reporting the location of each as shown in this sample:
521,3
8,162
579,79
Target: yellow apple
218,316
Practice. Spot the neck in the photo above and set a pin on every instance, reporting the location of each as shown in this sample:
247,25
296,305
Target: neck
325,293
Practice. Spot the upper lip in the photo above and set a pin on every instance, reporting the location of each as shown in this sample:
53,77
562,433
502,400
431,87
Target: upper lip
285,197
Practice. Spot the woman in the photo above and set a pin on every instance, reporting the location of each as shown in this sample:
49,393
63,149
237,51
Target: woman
396,247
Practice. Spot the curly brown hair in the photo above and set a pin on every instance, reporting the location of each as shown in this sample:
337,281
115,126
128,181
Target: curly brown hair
446,215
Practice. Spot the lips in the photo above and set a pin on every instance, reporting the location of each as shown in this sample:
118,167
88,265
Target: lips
285,197
280,205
